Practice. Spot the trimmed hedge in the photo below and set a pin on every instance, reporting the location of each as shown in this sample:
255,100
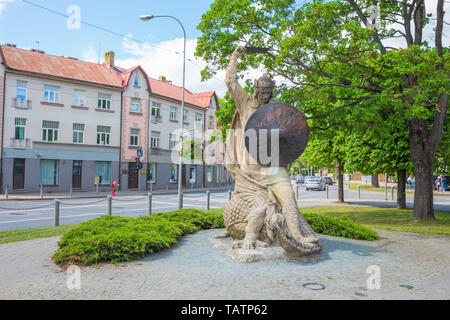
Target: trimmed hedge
339,227
117,239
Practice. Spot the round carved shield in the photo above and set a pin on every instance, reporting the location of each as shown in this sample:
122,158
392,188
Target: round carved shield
276,134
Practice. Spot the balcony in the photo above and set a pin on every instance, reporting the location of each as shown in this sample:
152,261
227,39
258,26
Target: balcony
156,119
21,103
155,150
20,143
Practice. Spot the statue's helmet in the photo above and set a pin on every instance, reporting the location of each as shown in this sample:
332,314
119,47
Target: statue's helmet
264,82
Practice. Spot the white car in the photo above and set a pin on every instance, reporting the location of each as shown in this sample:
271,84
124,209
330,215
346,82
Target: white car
315,183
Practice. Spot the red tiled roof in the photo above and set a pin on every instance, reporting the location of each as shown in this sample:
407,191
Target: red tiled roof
171,91
204,98
45,64
125,75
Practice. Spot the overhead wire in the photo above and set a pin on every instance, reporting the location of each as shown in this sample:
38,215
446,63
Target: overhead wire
113,32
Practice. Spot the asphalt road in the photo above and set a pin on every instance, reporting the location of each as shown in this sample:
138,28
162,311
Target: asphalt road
16,215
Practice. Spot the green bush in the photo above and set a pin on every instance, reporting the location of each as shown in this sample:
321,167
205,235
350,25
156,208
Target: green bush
339,227
116,239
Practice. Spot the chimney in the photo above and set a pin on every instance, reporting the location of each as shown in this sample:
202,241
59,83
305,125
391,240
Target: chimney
163,79
109,58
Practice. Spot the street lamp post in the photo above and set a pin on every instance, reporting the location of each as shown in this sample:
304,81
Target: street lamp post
180,167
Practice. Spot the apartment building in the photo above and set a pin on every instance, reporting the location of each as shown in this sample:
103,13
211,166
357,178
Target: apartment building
73,124
61,122
164,137
134,124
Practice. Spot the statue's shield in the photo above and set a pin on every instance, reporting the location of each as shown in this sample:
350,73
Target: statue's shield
276,134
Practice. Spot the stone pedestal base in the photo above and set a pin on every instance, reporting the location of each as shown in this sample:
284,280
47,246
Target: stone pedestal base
273,252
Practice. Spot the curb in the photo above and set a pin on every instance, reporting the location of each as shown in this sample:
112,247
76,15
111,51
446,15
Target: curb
104,195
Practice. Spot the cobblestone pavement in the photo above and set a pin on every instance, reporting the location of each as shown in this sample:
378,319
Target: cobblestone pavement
194,269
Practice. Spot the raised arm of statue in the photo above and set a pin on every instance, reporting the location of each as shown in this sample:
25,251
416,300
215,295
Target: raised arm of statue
238,94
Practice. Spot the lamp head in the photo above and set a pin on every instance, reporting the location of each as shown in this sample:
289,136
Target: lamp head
146,17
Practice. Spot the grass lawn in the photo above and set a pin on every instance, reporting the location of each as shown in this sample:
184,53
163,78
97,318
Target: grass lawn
367,187
387,218
34,233
372,217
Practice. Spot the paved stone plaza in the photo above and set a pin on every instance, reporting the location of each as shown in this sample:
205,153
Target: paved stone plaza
195,269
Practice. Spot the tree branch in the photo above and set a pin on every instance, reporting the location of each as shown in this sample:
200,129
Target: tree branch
364,20
419,14
439,26
358,100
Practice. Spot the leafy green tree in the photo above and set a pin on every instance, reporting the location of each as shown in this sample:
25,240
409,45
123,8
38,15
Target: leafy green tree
335,54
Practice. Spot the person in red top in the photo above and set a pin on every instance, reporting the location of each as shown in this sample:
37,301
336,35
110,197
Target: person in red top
113,186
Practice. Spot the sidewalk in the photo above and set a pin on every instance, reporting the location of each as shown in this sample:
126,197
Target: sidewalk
103,194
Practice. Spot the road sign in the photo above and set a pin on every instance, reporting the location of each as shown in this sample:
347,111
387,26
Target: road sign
139,152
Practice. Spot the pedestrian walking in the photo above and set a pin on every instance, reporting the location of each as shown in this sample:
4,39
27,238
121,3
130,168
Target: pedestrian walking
438,184
113,186
409,180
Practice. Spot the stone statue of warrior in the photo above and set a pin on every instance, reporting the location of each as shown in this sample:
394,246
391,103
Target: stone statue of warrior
263,207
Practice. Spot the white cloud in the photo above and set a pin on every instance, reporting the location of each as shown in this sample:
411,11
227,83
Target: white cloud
162,60
166,59
91,55
3,4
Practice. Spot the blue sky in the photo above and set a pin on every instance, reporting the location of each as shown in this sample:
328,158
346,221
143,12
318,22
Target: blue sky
24,24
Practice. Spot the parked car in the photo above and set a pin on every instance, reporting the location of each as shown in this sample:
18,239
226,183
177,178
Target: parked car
315,183
328,180
299,179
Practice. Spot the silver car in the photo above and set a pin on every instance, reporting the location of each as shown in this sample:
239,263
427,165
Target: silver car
315,183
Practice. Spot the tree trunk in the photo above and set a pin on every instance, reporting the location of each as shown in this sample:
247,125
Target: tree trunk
422,157
375,182
401,195
340,183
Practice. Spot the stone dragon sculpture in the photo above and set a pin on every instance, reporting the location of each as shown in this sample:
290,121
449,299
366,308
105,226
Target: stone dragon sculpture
274,230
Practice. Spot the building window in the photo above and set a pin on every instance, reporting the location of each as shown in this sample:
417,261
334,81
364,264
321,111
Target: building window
154,140
102,169
209,173
151,173
172,141
185,115
211,122
104,101
156,109
136,81
135,105
103,135
198,120
78,133
19,132
156,112
80,98
21,92
49,172
173,173
173,113
134,137
51,94
50,131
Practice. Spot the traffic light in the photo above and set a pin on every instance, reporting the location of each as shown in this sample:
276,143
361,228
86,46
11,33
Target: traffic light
139,164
